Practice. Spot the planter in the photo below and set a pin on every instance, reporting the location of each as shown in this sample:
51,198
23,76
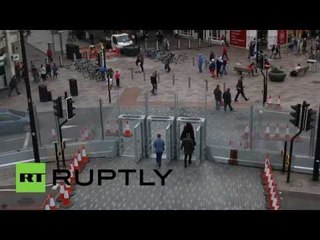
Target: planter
277,77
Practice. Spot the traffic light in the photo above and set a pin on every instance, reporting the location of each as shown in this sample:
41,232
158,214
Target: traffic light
70,108
295,114
57,107
311,118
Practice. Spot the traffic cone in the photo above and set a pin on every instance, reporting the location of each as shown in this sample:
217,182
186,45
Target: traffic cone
66,202
269,100
52,203
108,130
267,132
246,132
47,207
127,131
53,135
80,162
287,136
72,179
279,101
84,155
277,135
76,165
69,189
61,193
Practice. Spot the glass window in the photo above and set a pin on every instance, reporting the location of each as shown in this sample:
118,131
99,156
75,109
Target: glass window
7,117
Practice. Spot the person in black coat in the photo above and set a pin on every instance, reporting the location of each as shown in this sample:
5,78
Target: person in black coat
188,128
227,99
218,96
13,85
240,88
188,146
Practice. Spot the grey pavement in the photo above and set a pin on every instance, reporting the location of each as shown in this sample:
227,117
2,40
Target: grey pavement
209,186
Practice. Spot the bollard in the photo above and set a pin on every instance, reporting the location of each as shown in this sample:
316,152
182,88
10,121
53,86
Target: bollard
158,77
178,43
199,43
206,84
189,82
60,61
157,45
189,43
173,79
131,73
193,61
74,57
144,75
224,87
209,42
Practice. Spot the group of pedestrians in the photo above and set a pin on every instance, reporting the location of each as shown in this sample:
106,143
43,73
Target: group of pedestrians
187,144
226,96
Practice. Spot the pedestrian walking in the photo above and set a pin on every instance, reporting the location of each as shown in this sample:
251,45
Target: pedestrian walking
212,68
277,51
211,56
117,77
159,147
218,96
224,66
188,128
200,62
167,64
240,88
219,65
273,51
13,85
153,80
35,73
48,69
188,146
227,100
225,51
55,71
252,46
43,73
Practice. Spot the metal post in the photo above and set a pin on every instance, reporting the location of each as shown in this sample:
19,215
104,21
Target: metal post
131,73
146,110
189,43
144,75
199,43
57,154
29,100
158,77
60,61
193,61
175,105
37,124
109,90
179,43
224,87
118,105
173,79
101,118
304,108
61,44
206,81
317,153
157,45
284,157
62,144
251,128
189,82
312,140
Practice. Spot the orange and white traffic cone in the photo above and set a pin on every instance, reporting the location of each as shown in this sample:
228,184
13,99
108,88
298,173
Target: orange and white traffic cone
66,201
279,101
47,207
287,136
69,189
246,132
52,203
277,135
127,131
61,193
76,165
267,132
72,179
269,100
53,135
84,155
108,130
80,162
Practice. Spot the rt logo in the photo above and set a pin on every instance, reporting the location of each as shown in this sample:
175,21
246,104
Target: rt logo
31,178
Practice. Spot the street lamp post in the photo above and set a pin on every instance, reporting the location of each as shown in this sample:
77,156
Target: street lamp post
29,98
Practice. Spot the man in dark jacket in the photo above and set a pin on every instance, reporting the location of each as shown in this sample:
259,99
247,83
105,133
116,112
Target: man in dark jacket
159,148
240,90
227,100
13,85
153,80
188,145
218,96
188,128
